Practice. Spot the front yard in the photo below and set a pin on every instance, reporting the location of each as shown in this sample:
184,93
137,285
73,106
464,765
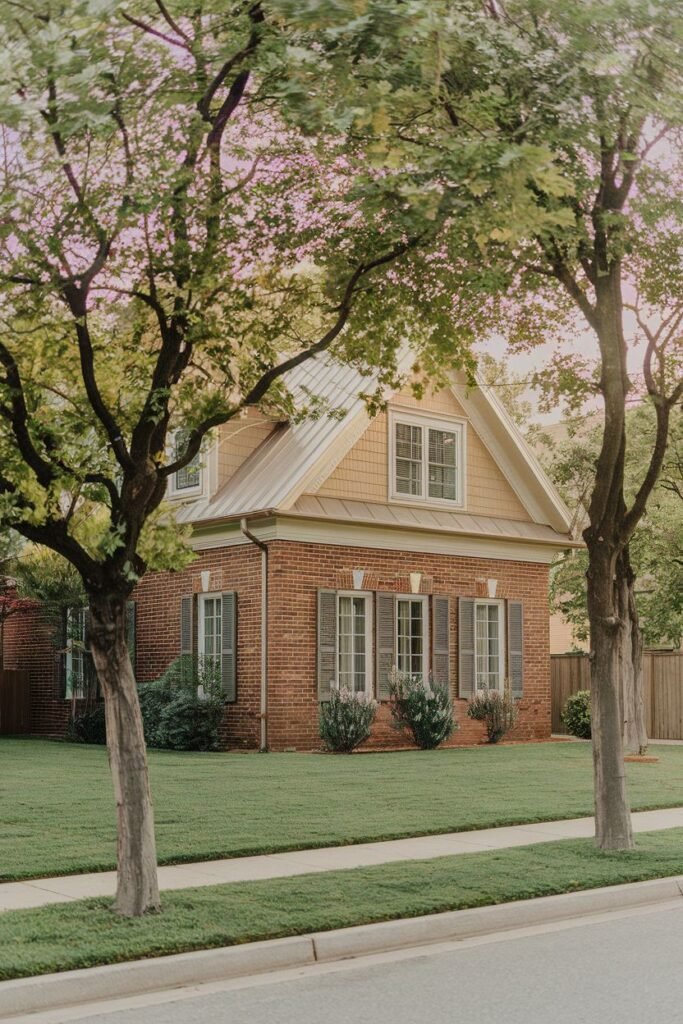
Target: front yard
58,814
86,933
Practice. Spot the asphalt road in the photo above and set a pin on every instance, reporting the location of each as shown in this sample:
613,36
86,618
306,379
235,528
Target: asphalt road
595,972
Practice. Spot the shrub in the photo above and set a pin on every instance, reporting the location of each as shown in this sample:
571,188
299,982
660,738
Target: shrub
576,714
497,710
190,722
182,710
424,710
87,726
346,719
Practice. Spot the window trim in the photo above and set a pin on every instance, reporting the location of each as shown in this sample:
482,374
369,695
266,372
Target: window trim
426,606
199,490
201,601
368,596
425,420
502,636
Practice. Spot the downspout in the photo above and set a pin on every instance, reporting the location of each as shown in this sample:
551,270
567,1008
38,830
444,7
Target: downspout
263,716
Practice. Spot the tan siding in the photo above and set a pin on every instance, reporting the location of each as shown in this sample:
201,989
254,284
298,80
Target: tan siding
363,472
237,440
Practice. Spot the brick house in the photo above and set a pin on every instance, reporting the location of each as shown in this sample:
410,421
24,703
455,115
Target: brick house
330,550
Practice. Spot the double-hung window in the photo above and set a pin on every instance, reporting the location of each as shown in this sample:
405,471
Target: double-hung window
412,640
187,480
75,652
354,642
210,622
426,459
489,645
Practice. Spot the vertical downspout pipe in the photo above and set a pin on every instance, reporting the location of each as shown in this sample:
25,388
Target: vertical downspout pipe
263,716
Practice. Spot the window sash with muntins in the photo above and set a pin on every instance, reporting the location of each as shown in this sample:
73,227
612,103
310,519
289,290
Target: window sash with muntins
211,628
489,645
412,636
190,476
75,652
354,647
427,460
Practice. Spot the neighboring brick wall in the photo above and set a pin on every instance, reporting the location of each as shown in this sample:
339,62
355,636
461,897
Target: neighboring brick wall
297,571
30,647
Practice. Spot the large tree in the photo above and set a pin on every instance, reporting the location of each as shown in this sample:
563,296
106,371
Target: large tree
657,543
598,85
175,236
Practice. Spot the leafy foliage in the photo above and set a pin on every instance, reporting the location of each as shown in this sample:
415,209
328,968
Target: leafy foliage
497,709
576,714
657,544
346,719
183,709
423,709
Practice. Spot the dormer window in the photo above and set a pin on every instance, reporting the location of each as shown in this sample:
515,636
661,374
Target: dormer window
188,480
426,459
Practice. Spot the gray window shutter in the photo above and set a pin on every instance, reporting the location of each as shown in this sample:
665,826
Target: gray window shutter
441,617
516,647
466,645
327,642
61,640
229,647
385,642
186,616
130,632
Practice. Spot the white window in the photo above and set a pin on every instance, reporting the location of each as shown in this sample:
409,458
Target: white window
187,480
427,459
354,642
489,644
412,639
75,653
211,629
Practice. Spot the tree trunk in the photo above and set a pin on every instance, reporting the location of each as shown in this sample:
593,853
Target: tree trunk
612,813
631,661
137,890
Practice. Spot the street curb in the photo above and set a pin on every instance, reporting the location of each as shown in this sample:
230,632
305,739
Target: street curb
116,981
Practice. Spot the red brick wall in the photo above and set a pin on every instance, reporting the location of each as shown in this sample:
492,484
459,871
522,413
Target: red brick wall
29,646
158,598
297,571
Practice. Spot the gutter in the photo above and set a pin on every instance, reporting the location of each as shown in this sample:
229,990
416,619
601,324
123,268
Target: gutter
263,715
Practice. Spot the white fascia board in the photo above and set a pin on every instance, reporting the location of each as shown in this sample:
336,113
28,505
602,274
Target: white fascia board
315,531
501,436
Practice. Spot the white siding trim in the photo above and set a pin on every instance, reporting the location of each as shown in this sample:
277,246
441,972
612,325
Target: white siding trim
311,531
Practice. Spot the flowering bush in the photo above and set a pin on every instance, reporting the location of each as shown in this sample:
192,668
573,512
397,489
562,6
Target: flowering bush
576,714
498,710
346,719
425,710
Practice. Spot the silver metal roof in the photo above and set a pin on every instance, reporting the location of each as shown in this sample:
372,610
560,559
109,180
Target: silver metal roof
282,461
312,506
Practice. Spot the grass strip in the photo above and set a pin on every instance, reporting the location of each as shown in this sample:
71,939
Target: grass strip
58,814
86,933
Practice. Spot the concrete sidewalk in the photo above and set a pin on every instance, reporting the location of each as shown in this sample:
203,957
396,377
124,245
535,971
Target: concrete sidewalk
42,891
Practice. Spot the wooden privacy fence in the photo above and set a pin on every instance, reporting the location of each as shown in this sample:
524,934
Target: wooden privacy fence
15,707
663,678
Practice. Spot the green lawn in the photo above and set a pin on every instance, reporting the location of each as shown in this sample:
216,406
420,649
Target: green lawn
57,812
69,936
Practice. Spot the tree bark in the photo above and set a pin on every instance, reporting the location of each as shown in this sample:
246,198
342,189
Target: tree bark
631,660
137,890
612,814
